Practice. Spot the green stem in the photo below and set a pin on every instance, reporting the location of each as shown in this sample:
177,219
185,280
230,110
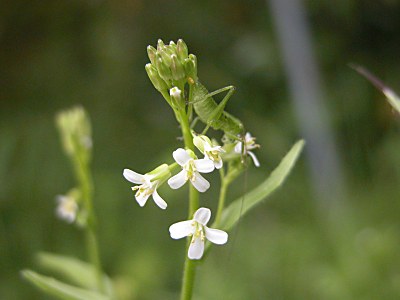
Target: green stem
222,197
85,181
189,272
94,256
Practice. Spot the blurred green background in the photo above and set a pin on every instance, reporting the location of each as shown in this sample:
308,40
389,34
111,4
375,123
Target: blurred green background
55,54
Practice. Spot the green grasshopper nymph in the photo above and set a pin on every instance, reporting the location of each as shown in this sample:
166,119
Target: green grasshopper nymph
213,114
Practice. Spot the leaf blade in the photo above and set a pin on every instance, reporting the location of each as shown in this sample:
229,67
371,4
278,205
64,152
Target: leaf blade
76,271
61,290
235,210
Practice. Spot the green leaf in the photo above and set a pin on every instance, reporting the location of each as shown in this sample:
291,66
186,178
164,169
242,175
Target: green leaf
59,289
392,98
231,214
74,270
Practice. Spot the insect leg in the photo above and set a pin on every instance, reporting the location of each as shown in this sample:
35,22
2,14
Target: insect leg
194,122
221,106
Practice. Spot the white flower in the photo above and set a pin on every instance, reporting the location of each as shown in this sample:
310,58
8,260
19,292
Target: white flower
175,92
190,171
249,144
199,231
213,153
148,184
67,208
176,97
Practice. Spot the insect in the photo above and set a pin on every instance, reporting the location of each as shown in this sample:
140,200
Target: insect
213,114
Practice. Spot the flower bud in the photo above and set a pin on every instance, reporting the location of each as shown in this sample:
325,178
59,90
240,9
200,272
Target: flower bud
155,78
176,97
182,50
166,56
200,140
163,69
75,130
190,65
178,72
151,52
172,46
160,45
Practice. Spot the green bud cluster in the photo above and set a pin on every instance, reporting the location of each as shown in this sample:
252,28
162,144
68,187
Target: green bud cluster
75,131
170,65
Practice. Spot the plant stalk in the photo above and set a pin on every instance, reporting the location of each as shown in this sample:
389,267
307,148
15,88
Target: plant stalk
189,271
92,246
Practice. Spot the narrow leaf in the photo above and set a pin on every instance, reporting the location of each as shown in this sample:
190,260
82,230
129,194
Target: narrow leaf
241,206
59,289
74,270
391,96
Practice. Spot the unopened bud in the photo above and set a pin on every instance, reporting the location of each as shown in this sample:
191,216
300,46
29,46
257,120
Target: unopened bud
190,66
172,46
182,50
75,130
176,97
163,69
151,52
200,140
166,56
160,45
178,72
155,78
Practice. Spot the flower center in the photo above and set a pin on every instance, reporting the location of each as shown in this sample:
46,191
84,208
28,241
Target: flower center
199,232
69,206
213,155
143,190
251,144
190,169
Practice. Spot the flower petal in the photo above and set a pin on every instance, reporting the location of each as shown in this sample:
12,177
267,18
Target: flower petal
159,201
238,147
204,165
196,249
255,160
216,236
200,183
142,198
181,156
133,176
181,229
175,182
218,164
202,215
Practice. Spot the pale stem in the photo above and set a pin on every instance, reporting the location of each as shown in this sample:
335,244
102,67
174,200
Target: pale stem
85,181
189,271
222,196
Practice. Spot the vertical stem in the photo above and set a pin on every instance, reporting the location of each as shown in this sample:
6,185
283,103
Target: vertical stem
221,201
91,238
189,272
94,256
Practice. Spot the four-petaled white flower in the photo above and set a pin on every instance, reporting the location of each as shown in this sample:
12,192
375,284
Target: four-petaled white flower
67,208
190,171
249,144
199,231
211,152
148,184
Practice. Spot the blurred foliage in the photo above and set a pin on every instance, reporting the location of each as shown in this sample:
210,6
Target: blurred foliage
54,54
